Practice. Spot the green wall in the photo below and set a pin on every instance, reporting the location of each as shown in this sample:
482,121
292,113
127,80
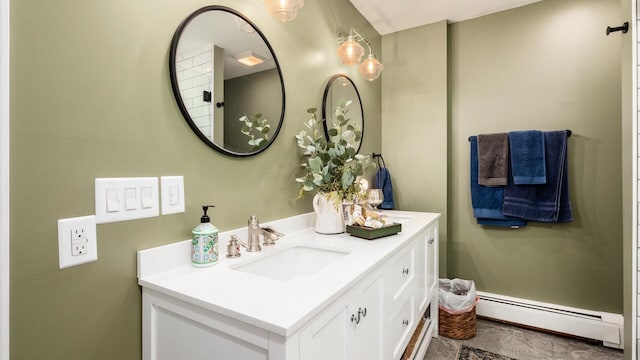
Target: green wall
545,66
249,95
91,97
414,125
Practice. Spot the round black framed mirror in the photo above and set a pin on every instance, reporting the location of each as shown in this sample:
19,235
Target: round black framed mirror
342,111
227,81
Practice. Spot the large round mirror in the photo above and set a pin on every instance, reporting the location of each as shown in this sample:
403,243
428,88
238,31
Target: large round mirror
227,81
342,111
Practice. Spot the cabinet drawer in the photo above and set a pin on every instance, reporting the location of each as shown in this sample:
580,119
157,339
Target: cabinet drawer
398,328
400,275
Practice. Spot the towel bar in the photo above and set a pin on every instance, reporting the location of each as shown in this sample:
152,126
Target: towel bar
568,135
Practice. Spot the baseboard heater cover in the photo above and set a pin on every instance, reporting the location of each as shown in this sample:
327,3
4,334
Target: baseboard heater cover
601,326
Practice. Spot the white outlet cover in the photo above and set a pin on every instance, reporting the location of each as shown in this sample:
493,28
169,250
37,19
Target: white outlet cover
172,194
65,239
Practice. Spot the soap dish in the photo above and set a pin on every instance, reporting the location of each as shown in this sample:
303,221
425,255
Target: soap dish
372,233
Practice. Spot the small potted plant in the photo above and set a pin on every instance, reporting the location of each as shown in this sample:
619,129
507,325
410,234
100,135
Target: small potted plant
331,168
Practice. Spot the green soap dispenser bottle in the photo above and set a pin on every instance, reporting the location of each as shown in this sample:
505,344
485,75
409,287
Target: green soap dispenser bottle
204,244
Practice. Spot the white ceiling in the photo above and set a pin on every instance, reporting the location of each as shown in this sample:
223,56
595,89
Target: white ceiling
390,16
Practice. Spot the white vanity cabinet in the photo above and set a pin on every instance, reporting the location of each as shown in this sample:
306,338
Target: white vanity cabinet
366,307
394,300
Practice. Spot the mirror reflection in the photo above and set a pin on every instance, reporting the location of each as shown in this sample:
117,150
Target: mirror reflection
342,110
227,81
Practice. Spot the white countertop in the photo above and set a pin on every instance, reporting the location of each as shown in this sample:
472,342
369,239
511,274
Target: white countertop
278,306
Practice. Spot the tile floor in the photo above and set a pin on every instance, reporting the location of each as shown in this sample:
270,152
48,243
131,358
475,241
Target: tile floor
521,344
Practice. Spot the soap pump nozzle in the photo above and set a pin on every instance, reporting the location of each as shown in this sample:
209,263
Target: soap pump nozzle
205,217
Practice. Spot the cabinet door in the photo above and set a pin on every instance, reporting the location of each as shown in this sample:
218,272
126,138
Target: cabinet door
330,335
432,260
399,276
173,329
399,328
367,319
421,298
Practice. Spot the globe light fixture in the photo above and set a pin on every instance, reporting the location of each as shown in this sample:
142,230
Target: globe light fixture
350,52
371,68
284,10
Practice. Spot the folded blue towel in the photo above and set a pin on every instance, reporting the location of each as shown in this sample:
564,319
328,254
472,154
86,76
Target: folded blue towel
487,201
527,157
546,202
383,181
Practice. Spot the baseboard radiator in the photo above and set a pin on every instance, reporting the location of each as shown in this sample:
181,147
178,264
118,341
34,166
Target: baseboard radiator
601,326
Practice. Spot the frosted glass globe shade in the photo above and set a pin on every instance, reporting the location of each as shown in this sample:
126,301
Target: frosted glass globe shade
371,68
284,10
350,51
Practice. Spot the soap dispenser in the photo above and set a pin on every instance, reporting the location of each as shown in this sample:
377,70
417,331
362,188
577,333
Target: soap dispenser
204,244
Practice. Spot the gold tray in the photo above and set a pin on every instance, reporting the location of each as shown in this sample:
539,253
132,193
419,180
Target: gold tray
371,233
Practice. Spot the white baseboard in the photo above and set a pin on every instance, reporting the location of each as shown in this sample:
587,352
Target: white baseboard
601,326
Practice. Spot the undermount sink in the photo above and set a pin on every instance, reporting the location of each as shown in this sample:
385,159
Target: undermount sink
296,261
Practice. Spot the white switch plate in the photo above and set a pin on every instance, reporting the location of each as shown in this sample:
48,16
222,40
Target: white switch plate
120,199
172,188
77,243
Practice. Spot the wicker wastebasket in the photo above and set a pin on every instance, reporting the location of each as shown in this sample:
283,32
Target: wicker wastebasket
457,326
457,301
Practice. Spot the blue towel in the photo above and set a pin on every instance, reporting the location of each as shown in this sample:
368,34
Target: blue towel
547,202
516,223
383,181
487,201
527,157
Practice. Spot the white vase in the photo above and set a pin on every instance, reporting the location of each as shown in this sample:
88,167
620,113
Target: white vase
329,215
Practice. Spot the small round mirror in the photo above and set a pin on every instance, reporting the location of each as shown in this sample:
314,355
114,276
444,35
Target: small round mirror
342,111
227,81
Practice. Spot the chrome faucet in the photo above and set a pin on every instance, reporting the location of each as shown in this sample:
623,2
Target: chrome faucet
269,234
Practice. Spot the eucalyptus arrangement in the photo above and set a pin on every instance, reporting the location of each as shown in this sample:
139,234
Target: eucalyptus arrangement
257,129
331,167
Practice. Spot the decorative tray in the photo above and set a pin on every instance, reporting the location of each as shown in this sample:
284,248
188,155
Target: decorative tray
371,233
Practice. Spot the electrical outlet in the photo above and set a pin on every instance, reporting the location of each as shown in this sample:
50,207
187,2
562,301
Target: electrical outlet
79,240
77,243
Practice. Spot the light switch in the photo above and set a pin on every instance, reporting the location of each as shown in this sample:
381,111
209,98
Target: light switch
174,196
147,197
172,191
130,199
119,199
113,204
